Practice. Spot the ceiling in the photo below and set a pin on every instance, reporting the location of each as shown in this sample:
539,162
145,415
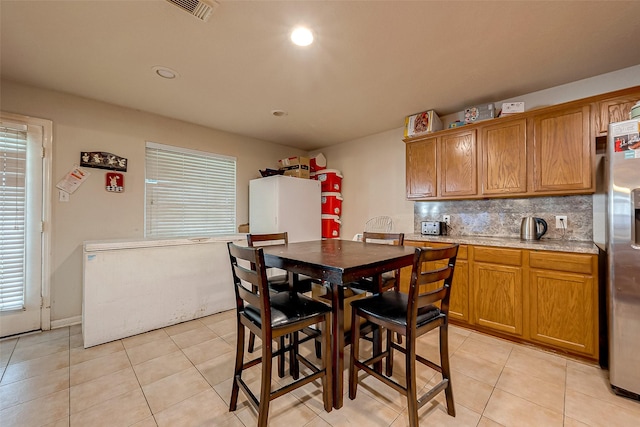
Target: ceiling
372,62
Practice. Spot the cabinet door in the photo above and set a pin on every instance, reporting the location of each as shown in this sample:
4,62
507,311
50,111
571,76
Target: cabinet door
421,169
562,152
503,158
458,164
614,110
562,311
459,299
497,297
405,272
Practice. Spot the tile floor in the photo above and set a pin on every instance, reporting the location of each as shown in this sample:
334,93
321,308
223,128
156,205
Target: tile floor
181,376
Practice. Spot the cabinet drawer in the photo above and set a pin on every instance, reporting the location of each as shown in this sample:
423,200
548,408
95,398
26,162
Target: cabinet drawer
462,249
497,255
574,263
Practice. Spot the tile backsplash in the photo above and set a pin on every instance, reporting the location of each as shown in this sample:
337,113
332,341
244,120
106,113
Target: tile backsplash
502,217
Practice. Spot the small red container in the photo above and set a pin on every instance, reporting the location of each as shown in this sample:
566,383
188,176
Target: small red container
330,180
331,203
330,226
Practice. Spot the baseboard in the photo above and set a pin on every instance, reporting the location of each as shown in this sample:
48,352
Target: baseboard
69,321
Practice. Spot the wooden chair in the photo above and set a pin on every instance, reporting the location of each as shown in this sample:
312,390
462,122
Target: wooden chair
390,280
424,308
272,316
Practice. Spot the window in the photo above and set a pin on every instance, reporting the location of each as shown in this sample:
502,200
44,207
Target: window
188,192
13,171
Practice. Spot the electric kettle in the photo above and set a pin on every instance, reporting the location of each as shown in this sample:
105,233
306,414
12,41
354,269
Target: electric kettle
529,229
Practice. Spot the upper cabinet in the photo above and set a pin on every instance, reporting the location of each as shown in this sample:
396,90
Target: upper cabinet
457,161
562,152
421,169
548,151
503,158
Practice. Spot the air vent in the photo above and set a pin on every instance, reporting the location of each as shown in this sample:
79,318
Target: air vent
201,9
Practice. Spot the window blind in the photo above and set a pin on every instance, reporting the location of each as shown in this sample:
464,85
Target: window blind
13,166
188,192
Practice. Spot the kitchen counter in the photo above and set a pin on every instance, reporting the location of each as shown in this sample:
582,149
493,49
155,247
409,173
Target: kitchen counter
543,244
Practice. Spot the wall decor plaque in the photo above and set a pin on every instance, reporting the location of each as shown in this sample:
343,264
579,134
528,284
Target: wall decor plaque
102,160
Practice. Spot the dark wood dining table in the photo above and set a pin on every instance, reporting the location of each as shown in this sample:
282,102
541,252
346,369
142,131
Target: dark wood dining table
338,262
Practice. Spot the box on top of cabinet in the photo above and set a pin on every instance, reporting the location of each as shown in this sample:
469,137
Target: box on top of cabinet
477,113
424,122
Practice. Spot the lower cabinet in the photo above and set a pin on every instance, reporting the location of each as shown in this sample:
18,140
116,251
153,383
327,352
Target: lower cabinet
542,297
563,301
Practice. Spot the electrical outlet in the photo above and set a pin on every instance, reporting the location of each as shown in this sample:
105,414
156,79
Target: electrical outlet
63,196
447,219
561,221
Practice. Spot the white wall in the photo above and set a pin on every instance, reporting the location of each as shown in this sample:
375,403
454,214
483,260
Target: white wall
81,124
374,167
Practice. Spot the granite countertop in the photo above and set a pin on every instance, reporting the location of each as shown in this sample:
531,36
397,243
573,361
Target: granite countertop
542,244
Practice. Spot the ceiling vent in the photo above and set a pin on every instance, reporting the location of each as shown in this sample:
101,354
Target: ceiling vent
201,9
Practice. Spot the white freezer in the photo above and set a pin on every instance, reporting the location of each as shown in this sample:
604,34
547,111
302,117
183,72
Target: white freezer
135,286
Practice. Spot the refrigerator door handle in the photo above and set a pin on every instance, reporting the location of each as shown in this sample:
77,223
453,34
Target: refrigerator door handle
635,218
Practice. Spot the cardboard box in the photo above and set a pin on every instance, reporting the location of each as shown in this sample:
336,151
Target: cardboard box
295,166
478,113
512,108
421,123
319,293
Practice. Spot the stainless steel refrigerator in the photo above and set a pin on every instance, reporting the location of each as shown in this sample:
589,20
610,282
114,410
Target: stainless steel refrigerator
623,255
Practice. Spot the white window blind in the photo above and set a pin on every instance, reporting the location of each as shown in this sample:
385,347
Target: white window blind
13,164
188,192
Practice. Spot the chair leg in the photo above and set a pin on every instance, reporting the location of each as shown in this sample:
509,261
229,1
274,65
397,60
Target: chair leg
281,345
389,362
412,392
327,380
237,370
294,365
252,342
355,353
265,385
446,369
318,349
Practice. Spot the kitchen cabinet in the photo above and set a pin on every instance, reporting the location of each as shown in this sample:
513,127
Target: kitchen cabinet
421,169
542,297
457,161
564,301
503,158
497,289
614,110
561,152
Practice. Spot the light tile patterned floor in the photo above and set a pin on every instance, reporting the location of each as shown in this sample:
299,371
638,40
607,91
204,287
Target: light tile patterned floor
181,376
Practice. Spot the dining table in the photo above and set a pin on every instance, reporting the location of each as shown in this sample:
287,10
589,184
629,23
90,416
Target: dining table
338,263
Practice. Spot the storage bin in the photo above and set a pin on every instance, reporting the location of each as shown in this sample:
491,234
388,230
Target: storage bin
330,180
331,203
330,226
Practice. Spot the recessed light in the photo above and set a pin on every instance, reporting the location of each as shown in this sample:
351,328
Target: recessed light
278,113
165,72
302,36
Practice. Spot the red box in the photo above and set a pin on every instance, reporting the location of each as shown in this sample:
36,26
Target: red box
330,226
330,180
331,203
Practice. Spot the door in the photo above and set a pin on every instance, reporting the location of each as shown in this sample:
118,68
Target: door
22,209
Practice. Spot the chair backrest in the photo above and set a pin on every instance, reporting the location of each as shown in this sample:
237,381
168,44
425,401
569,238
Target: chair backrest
267,239
379,224
391,238
257,293
434,267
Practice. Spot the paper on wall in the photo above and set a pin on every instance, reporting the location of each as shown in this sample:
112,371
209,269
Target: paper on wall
73,179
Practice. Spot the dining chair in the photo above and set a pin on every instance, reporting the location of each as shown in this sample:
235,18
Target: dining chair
423,309
272,316
390,279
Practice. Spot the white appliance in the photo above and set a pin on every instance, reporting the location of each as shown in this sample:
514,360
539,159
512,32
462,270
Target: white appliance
623,253
283,203
135,286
